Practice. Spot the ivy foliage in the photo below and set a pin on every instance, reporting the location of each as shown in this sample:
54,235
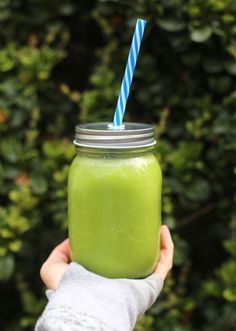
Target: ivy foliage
62,63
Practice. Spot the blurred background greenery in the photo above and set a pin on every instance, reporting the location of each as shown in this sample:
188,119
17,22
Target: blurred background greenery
61,63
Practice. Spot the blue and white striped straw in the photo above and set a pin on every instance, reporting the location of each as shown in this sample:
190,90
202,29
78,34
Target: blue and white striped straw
129,72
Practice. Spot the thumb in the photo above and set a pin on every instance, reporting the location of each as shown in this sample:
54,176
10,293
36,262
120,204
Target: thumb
55,266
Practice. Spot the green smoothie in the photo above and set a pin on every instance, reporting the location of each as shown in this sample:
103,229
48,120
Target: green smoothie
114,210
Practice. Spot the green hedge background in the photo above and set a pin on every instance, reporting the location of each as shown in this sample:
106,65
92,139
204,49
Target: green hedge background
61,63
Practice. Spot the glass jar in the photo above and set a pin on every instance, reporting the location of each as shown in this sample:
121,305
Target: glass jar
114,200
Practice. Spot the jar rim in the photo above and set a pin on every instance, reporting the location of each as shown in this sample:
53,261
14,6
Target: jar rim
103,135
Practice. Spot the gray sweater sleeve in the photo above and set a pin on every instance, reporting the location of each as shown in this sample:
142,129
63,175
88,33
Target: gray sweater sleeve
86,301
65,319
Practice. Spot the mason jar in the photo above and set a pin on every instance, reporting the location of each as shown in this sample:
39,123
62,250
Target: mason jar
114,200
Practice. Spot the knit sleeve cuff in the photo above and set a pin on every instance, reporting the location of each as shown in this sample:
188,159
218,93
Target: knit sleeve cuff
64,319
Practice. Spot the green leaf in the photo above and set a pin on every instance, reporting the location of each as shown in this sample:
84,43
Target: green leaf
7,265
171,25
198,190
213,65
181,250
202,34
3,251
15,245
11,149
230,246
67,9
230,294
230,67
4,14
39,184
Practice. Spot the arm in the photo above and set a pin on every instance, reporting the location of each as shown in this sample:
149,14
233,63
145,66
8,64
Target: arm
81,300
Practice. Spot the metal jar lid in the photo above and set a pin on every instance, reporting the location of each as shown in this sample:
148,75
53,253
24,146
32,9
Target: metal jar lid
103,135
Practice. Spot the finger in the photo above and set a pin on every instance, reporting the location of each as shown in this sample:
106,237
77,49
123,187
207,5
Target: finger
56,264
61,253
166,240
52,274
166,255
167,247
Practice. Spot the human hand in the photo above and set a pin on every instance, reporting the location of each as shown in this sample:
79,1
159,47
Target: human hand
58,261
84,297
